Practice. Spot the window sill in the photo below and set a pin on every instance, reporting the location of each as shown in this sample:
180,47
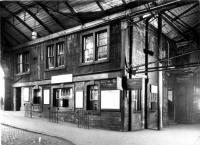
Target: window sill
24,73
55,68
110,110
93,112
94,62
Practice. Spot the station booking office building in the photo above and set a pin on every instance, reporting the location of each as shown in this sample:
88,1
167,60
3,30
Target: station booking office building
113,62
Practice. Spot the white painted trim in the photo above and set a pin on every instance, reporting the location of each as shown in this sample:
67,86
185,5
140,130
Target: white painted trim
76,29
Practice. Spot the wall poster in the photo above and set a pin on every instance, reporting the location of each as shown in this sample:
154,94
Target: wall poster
26,94
110,99
79,99
46,96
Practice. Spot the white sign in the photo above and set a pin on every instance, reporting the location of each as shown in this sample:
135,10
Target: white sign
26,94
170,96
154,89
79,99
61,78
46,96
110,99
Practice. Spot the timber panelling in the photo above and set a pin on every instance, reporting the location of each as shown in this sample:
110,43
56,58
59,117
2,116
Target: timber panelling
72,50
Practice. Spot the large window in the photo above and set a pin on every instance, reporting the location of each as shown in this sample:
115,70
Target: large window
136,100
55,55
23,62
95,45
93,97
62,97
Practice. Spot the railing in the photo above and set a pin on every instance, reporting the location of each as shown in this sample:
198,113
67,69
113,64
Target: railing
82,118
53,114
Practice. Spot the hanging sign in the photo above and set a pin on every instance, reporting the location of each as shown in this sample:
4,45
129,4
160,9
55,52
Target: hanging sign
135,83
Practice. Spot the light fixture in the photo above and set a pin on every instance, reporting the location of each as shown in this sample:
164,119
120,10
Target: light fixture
34,33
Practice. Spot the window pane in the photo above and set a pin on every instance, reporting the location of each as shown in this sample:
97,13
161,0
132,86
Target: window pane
26,62
50,56
88,48
60,54
102,41
19,63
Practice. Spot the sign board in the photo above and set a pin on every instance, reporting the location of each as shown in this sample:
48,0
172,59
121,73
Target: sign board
110,99
154,89
79,99
26,94
133,84
46,96
61,78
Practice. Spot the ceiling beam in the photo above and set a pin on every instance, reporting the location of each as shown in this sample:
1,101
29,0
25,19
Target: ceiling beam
18,18
72,10
21,10
195,35
34,16
51,15
162,7
19,31
100,6
167,19
186,11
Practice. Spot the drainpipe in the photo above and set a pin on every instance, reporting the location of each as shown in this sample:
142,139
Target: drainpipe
159,106
146,72
130,33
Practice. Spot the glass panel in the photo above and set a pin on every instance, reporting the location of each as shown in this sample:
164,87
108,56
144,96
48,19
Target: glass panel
63,97
88,48
60,54
102,41
50,56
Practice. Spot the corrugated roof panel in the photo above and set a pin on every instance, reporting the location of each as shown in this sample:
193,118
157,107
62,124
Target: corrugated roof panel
13,7
107,4
91,7
15,34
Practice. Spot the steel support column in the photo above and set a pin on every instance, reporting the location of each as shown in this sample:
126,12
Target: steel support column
146,72
159,35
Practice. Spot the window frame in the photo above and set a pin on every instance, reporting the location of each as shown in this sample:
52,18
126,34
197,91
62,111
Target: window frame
59,54
95,49
54,44
22,63
62,86
88,84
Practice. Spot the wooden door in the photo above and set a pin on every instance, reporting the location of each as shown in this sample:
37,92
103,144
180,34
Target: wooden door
137,109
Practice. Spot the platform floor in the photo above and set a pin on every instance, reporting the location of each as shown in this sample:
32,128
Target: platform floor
178,134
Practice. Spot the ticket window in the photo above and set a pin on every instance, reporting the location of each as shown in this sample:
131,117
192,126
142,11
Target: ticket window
93,97
37,96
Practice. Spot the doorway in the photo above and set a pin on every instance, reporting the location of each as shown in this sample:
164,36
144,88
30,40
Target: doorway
18,99
171,106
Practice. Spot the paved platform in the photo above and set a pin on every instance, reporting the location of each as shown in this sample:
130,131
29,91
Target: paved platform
172,135
15,136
